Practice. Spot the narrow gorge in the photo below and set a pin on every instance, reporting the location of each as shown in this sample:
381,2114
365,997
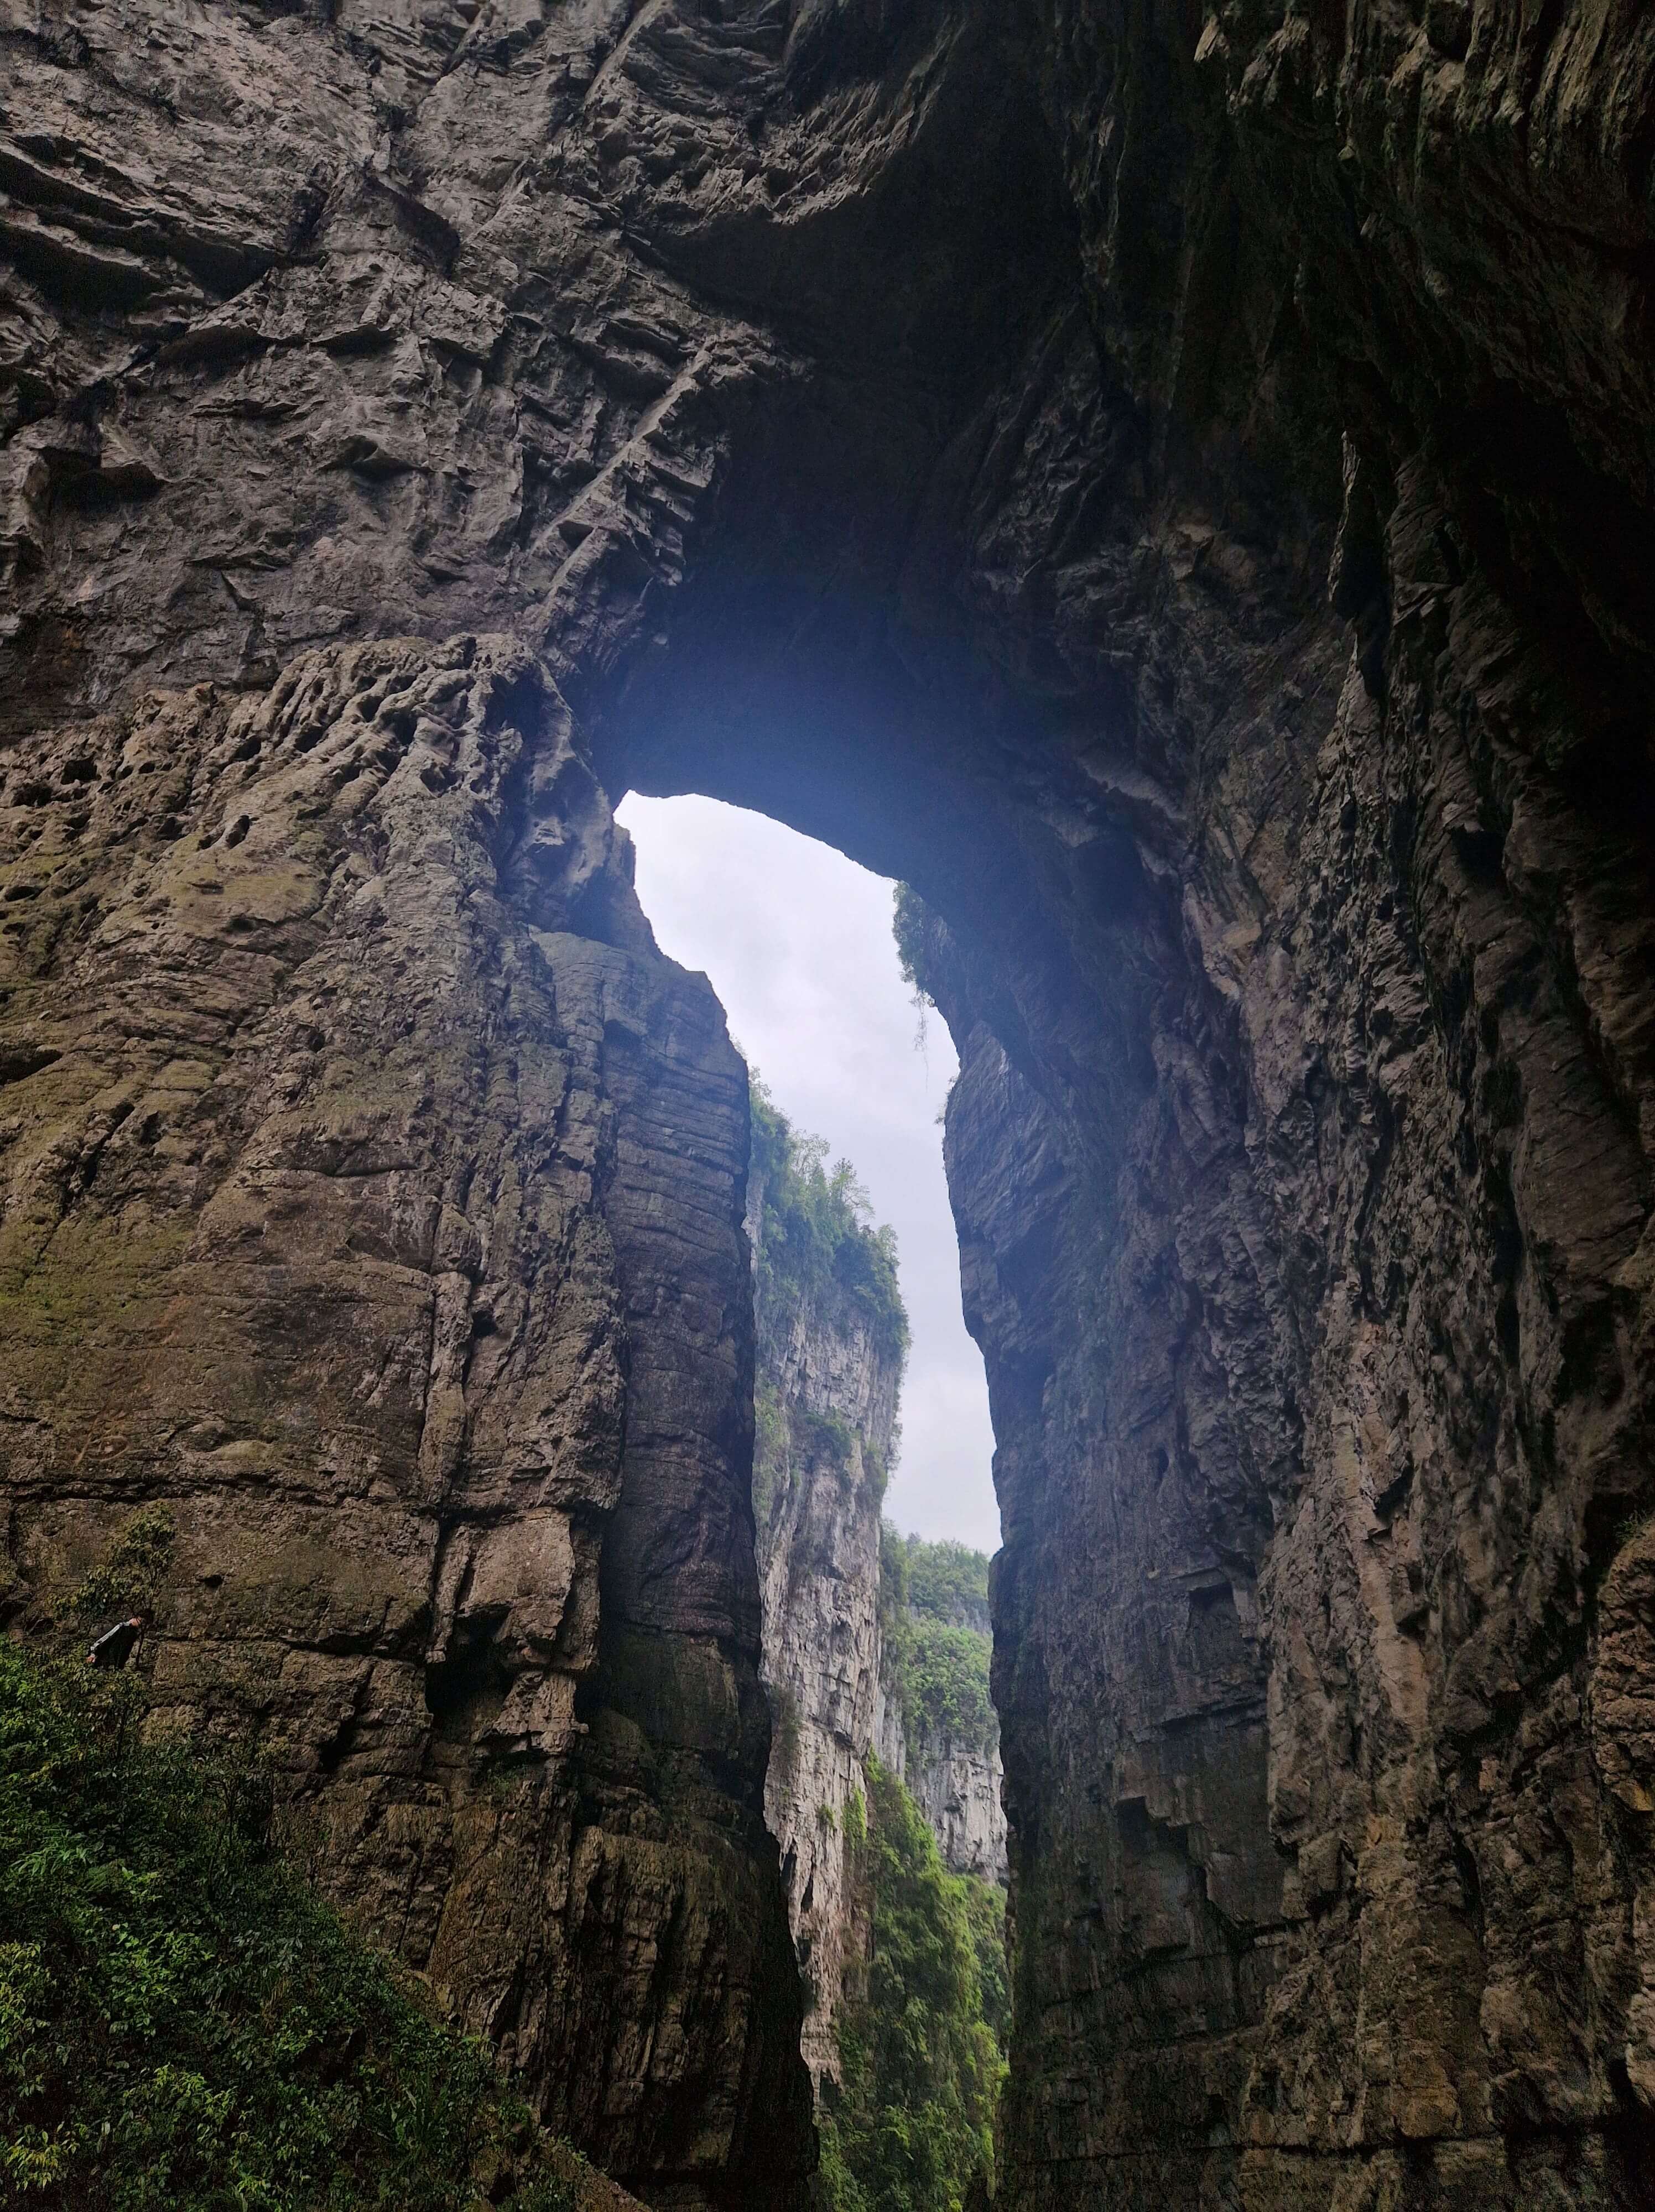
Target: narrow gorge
873,1678
1170,484
875,1647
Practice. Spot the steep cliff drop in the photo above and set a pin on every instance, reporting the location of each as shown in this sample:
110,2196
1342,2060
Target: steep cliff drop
900,1939
875,1646
1171,483
831,1338
934,1726
375,1209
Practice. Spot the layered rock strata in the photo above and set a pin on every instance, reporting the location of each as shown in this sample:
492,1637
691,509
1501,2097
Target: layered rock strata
372,1208
956,1785
827,1397
1170,484
952,1771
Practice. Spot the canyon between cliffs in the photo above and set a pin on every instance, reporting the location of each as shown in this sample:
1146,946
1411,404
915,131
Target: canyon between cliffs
1173,485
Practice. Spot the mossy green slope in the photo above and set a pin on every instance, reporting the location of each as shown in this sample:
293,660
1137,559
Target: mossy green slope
911,2127
185,2027
933,1606
818,1235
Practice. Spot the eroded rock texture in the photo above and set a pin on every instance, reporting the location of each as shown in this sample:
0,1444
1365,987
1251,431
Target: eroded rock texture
827,1393
955,1776
372,1205
1175,485
958,1787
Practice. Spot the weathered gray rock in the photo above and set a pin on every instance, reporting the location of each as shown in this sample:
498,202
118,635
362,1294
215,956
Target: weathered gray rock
827,1394
1174,486
954,1774
827,1380
957,1788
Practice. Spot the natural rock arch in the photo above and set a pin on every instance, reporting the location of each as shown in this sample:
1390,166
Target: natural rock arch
942,428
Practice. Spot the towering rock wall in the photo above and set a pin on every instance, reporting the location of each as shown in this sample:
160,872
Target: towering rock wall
826,1416
828,1379
1169,484
1303,1182
372,1209
858,1661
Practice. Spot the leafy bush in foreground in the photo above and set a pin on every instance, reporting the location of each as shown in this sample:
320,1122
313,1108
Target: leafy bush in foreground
184,2027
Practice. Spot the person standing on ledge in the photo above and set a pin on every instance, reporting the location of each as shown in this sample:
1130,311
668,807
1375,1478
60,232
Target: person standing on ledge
116,1644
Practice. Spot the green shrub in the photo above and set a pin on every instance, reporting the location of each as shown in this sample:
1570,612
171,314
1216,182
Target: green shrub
948,1581
772,1445
876,1470
826,1437
184,2027
919,936
785,1729
935,1662
985,1914
946,1685
128,1577
855,1819
893,1571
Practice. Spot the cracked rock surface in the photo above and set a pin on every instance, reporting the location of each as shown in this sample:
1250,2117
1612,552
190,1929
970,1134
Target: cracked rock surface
828,1396
372,1203
1172,484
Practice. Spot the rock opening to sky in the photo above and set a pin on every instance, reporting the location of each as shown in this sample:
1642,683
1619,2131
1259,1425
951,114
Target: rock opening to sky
796,940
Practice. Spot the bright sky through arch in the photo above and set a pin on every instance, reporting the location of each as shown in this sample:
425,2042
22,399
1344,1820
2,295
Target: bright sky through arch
797,942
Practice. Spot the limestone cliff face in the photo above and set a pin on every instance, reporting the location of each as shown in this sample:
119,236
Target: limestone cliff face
827,1393
953,1772
371,1203
957,1788
828,1378
1170,484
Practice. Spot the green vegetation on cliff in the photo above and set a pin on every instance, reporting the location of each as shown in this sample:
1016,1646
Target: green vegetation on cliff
817,1233
919,937
985,1915
912,2126
946,1581
931,1598
184,2027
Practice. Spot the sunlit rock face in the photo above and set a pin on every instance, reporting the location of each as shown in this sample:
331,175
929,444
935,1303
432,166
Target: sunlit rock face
954,1775
827,1415
1173,485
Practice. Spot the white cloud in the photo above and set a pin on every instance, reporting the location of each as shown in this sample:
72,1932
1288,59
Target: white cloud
796,940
